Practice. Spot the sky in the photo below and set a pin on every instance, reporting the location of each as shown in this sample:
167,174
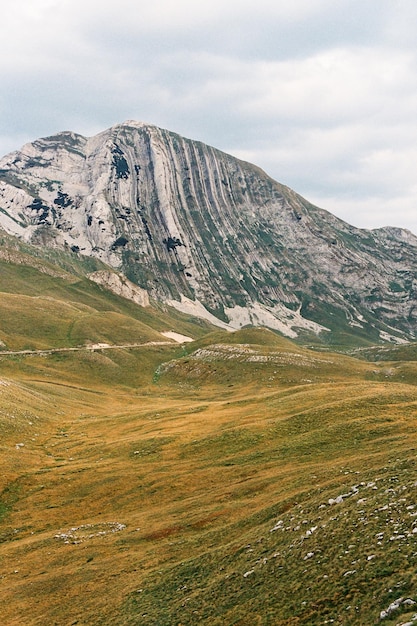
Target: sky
321,94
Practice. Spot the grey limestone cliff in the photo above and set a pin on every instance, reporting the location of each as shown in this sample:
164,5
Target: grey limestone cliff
209,234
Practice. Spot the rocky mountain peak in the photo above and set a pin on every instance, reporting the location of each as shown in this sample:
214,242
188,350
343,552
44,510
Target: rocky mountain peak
209,234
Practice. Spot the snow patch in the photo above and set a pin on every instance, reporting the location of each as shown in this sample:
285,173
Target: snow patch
197,309
177,336
278,317
391,338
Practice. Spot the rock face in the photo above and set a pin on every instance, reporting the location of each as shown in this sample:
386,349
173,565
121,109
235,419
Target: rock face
209,233
121,286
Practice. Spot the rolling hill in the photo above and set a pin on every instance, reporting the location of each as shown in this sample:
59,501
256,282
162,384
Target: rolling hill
236,479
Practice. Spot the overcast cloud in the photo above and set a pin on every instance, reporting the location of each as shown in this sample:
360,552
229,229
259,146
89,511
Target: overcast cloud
322,94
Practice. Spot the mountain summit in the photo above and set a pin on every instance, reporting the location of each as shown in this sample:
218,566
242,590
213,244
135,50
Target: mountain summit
210,234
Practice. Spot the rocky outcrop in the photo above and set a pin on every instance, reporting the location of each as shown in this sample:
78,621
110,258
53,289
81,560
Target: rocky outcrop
190,224
121,286
18,258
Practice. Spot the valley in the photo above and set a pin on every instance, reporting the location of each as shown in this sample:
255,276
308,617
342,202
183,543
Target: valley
237,479
208,395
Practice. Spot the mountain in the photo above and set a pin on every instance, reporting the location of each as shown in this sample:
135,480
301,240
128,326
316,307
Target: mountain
145,481
211,235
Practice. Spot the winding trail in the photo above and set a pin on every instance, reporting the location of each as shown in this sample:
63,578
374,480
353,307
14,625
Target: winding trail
91,348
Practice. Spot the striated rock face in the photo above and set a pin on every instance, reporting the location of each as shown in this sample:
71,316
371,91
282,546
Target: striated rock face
209,233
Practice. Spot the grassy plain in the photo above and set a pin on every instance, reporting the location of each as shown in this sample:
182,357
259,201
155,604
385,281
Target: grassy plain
239,479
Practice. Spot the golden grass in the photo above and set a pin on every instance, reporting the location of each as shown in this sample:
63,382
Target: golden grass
143,485
191,467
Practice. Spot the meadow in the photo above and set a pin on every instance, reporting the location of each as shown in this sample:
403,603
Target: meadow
239,479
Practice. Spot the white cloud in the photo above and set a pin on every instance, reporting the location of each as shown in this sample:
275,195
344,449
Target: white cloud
373,211
322,95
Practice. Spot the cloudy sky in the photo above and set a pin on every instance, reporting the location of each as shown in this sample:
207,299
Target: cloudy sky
322,94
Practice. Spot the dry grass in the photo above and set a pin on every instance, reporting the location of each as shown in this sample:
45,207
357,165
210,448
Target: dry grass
195,467
141,486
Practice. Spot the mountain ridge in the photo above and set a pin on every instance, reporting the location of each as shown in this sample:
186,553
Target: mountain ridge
154,482
210,234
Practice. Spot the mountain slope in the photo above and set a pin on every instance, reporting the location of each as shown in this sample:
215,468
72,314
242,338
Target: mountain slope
207,232
44,307
196,499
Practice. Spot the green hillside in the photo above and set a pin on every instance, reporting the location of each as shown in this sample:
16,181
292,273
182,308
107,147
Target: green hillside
239,479
42,306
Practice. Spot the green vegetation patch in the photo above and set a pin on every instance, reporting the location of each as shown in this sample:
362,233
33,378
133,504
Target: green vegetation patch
150,449
8,497
223,446
339,555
